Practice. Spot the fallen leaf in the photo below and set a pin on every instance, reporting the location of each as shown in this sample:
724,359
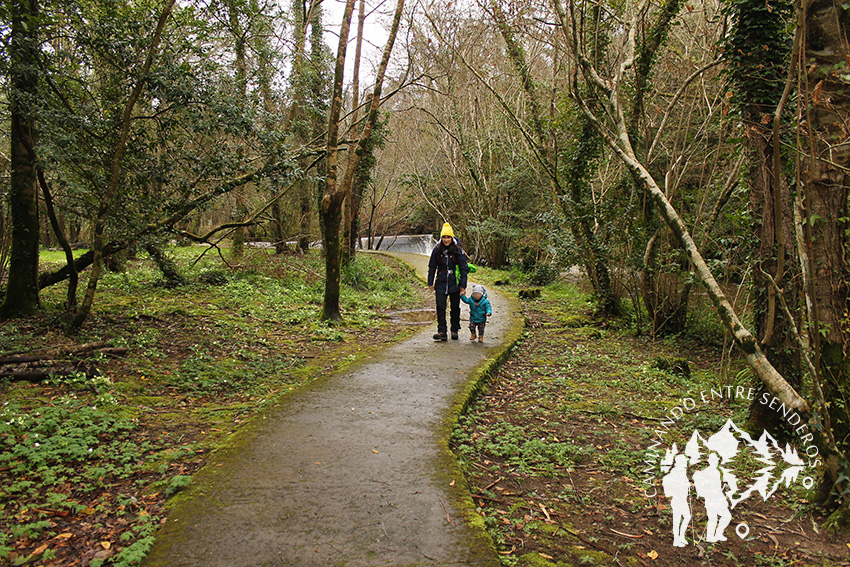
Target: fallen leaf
375,451
65,535
652,555
105,544
544,556
452,483
40,549
817,91
624,534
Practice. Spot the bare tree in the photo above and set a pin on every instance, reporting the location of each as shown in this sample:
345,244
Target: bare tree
335,194
611,124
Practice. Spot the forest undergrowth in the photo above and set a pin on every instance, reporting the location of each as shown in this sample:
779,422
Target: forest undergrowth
555,451
88,461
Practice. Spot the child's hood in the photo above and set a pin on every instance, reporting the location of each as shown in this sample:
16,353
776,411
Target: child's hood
477,288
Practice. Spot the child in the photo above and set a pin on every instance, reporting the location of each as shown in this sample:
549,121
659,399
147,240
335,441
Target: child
479,310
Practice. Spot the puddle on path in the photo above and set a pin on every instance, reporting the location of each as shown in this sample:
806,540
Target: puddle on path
414,316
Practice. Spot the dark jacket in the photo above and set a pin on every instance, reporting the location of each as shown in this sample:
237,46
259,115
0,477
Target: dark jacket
441,269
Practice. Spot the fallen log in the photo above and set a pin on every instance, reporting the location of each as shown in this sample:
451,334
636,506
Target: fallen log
60,351
41,364
38,372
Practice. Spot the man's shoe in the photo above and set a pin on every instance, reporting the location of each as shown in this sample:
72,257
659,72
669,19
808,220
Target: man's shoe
454,336
440,337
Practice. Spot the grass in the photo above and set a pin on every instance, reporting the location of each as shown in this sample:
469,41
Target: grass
88,461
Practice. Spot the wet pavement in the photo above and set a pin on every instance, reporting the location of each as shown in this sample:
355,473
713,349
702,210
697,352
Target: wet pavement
352,470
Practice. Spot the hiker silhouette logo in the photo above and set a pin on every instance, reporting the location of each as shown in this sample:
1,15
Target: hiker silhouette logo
706,468
702,477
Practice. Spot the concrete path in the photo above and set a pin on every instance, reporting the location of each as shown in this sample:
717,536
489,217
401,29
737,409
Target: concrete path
352,470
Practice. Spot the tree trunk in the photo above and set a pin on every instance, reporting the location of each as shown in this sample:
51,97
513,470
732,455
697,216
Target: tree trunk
307,98
22,287
278,232
182,210
764,370
823,169
351,228
71,302
240,40
664,295
306,213
770,203
166,265
333,197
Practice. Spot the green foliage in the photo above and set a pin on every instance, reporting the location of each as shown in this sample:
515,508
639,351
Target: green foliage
58,441
177,484
529,452
204,374
373,284
544,274
756,51
47,449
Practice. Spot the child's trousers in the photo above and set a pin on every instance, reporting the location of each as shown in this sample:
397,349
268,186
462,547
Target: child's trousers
480,326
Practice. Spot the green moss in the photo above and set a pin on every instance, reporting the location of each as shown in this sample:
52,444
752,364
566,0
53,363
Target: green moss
535,560
838,522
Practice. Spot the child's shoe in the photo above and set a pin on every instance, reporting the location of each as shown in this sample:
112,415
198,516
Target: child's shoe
481,339
472,337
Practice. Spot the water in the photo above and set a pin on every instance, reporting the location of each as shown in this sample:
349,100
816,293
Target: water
410,243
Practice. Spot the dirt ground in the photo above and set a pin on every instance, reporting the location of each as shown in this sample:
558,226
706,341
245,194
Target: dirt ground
554,455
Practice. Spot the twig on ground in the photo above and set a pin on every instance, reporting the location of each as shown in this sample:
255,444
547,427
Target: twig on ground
446,510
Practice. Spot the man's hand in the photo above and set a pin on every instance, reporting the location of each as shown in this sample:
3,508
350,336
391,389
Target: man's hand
431,287
463,291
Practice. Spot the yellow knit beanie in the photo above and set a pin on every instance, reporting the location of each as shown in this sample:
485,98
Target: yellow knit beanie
447,230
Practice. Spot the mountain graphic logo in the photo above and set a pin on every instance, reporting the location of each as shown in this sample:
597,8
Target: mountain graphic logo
707,468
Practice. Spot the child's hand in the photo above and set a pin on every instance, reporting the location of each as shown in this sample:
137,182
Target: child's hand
489,314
